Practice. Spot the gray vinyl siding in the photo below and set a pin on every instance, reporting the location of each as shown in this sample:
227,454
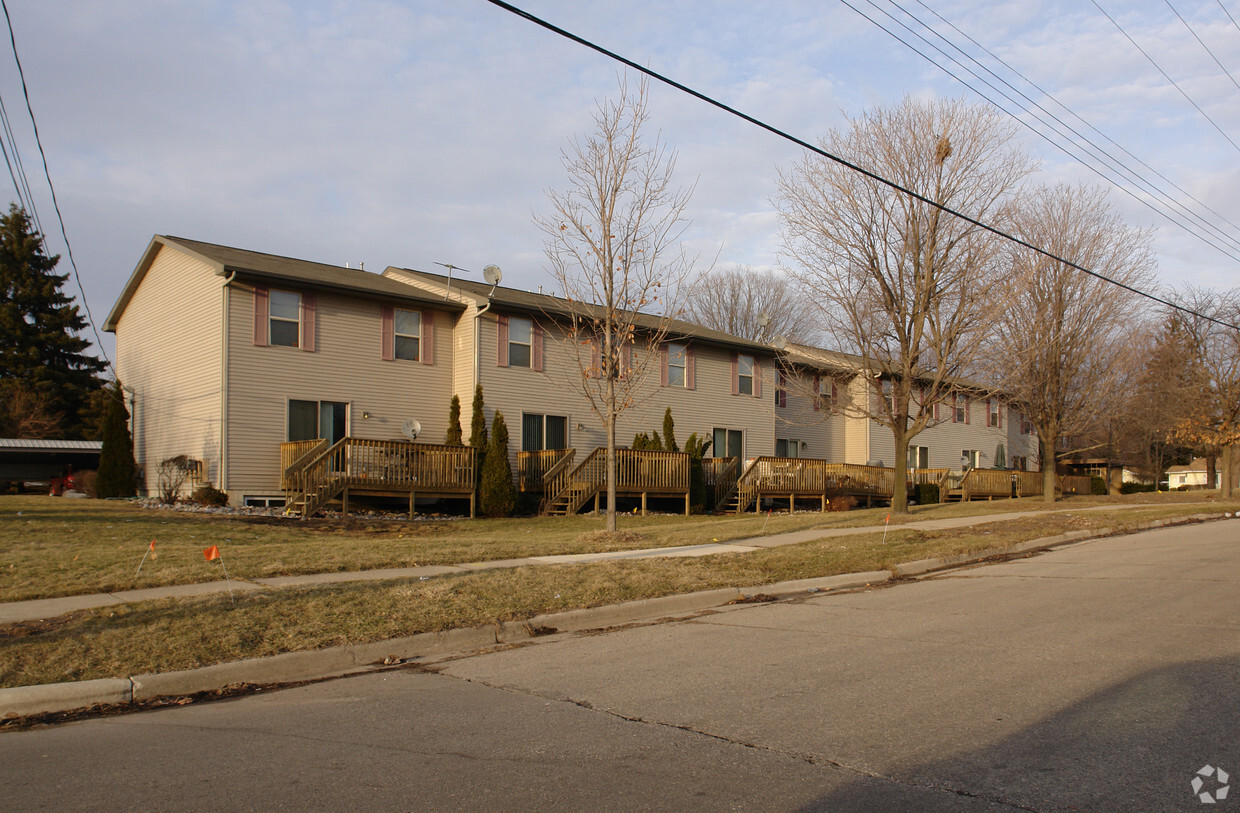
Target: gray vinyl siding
168,351
556,390
823,431
345,367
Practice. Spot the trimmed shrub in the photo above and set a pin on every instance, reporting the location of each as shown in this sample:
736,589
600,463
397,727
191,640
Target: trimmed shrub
1136,488
497,495
927,493
207,494
118,476
1098,485
454,423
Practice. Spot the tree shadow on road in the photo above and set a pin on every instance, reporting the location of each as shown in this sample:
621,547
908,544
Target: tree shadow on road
1135,746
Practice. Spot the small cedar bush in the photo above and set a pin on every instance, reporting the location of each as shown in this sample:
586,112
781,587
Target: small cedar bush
209,495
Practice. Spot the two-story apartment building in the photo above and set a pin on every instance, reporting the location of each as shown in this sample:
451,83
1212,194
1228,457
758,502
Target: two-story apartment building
228,353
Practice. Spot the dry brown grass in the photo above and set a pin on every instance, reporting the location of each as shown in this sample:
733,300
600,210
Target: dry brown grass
180,634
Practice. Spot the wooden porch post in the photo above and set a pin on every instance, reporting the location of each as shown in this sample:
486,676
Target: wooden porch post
686,503
344,499
643,503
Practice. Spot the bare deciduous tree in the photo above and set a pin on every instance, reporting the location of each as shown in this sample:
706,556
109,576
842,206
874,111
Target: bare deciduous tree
1062,340
1213,420
732,300
903,285
612,241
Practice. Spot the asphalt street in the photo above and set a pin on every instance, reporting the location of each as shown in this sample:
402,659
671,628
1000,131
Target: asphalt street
1101,676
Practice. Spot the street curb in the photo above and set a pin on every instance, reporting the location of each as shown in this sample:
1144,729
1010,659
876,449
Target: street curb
297,667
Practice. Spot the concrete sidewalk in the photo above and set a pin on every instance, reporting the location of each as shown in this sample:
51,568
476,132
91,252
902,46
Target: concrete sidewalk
38,609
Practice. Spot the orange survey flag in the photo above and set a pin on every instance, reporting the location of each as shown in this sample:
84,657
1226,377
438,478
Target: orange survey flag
211,553
151,546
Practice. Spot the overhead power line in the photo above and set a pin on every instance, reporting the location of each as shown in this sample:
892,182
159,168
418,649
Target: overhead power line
1202,42
77,277
841,161
1188,195
1158,198
1166,76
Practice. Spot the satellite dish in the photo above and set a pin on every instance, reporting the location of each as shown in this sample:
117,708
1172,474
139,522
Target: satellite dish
764,319
411,428
492,274
780,342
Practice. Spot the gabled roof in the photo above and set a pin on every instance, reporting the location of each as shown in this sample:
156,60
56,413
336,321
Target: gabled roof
43,445
272,268
537,304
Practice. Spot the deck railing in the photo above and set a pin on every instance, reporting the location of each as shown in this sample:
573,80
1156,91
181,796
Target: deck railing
637,471
294,455
986,483
532,467
379,465
807,476
1028,483
720,475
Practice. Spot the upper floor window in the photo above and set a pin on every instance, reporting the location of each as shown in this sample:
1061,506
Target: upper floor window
960,409
744,375
781,394
520,342
677,365
407,334
994,415
284,319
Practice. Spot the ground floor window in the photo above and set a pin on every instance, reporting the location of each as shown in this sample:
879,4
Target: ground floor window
918,457
1019,462
728,443
787,448
970,458
540,432
308,420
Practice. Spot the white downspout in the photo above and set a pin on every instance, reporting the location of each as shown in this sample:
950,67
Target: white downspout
223,484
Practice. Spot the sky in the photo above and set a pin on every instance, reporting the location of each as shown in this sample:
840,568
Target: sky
416,133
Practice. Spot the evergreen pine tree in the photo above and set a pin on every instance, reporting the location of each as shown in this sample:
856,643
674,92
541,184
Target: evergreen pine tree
497,494
478,431
40,325
669,432
454,422
117,469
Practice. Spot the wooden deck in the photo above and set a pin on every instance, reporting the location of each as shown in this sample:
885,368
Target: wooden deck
568,486
315,474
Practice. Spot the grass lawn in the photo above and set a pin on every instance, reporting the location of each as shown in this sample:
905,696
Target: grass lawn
54,546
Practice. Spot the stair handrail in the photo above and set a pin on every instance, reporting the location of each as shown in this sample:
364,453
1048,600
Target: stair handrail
313,476
556,477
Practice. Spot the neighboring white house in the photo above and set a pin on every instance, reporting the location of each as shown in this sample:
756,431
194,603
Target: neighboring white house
1193,474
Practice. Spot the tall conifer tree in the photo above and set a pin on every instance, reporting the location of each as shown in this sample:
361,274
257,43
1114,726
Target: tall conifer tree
41,351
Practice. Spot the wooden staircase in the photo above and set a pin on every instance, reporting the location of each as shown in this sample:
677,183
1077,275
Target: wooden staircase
571,487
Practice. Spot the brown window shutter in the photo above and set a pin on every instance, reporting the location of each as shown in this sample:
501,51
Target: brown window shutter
260,317
736,379
501,342
663,365
387,327
426,343
626,360
817,392
690,369
757,378
309,308
536,352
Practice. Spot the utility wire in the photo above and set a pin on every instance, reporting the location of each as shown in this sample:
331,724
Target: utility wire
837,159
1090,126
55,204
1166,76
1119,167
1226,72
1228,13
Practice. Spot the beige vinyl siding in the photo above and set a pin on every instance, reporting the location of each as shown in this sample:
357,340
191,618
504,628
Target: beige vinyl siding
557,391
858,431
346,367
946,440
168,352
